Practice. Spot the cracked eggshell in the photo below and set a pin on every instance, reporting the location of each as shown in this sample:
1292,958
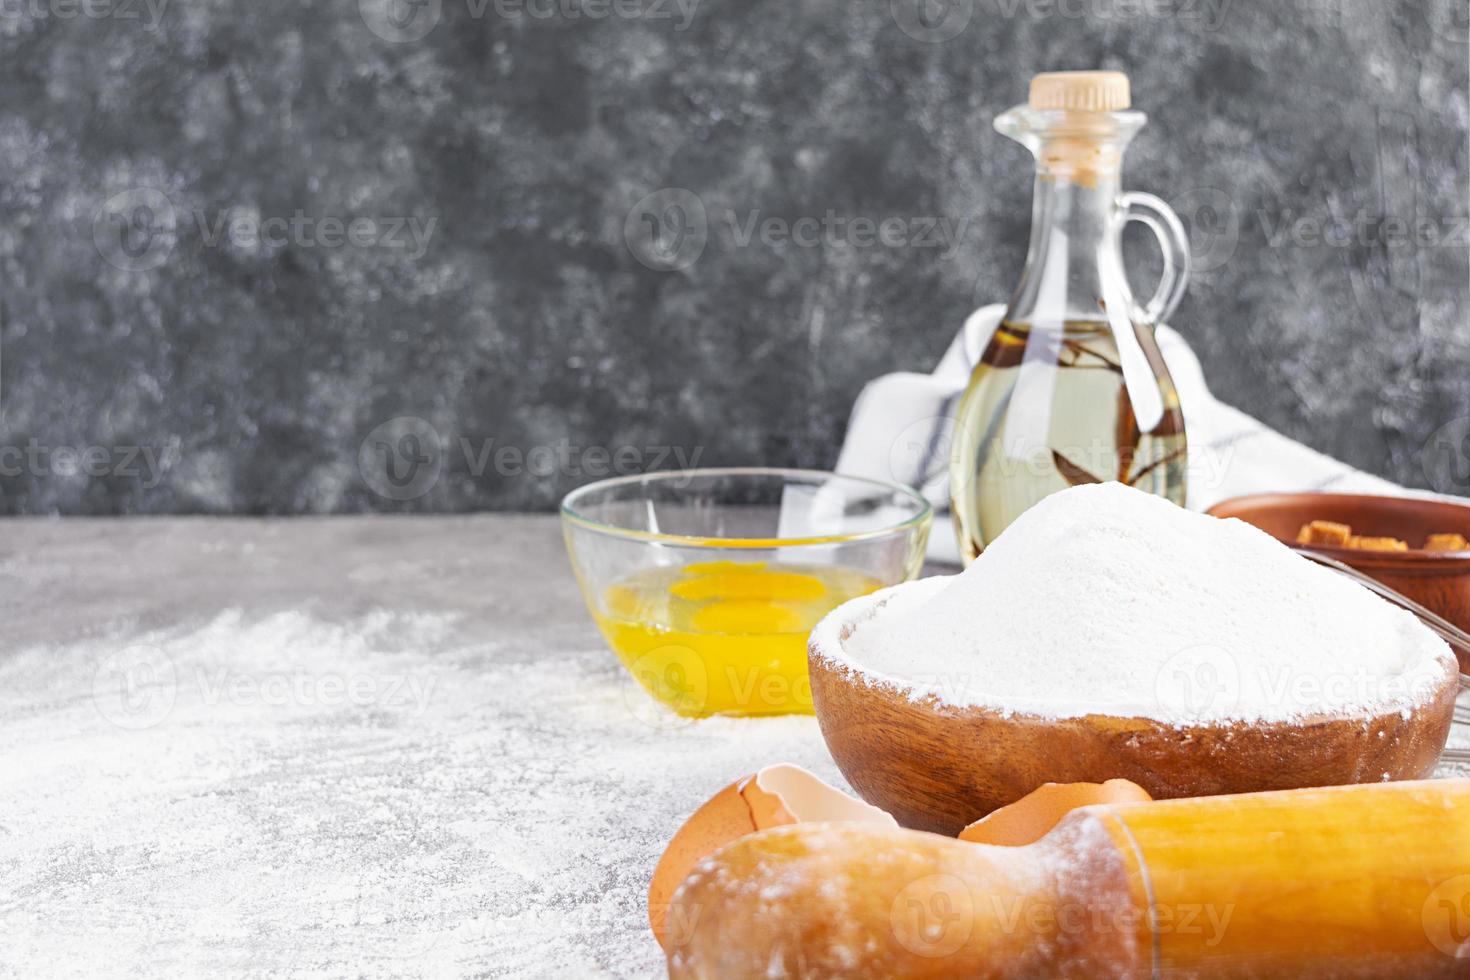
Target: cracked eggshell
773,797
1034,815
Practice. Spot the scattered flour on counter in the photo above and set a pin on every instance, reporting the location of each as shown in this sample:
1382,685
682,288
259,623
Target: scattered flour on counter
346,790
1103,599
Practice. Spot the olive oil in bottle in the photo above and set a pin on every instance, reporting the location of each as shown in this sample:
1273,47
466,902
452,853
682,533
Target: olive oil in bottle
1047,410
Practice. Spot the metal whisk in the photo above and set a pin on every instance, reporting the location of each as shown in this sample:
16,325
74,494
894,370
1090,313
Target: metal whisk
1457,638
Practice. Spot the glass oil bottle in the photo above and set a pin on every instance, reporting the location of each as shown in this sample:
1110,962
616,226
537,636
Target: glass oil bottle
1072,388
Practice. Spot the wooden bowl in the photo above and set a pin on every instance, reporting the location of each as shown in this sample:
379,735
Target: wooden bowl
1437,580
938,767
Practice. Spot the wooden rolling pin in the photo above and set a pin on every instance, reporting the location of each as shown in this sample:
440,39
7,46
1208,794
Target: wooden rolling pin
1343,882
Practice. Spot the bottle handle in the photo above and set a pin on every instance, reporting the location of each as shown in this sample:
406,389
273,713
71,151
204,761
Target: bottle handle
1173,243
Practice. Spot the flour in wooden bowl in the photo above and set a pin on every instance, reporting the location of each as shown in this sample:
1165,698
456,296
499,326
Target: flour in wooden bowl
1106,600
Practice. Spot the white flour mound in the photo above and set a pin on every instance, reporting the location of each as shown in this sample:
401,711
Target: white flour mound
1106,600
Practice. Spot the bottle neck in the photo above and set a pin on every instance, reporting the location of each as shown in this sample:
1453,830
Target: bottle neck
1073,264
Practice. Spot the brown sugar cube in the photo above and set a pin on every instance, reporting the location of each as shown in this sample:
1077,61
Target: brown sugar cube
1364,543
1446,542
1324,532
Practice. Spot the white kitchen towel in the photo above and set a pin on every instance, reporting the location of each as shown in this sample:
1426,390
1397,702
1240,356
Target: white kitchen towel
901,423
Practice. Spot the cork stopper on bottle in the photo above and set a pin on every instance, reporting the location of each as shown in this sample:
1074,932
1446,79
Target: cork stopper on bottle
1080,91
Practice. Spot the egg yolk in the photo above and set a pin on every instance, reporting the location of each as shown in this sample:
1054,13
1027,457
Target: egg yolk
724,637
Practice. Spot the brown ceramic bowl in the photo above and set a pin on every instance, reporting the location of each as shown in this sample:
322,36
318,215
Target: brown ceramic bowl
1437,580
938,767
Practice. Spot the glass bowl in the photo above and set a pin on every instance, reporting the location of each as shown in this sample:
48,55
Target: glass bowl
706,583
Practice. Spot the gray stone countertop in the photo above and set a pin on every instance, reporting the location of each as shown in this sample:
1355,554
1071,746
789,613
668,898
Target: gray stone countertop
332,747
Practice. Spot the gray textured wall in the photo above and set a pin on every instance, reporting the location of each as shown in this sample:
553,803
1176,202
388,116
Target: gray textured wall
458,230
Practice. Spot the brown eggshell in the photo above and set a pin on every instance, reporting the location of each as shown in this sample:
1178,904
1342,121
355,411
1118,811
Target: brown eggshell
724,818
774,797
1034,815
